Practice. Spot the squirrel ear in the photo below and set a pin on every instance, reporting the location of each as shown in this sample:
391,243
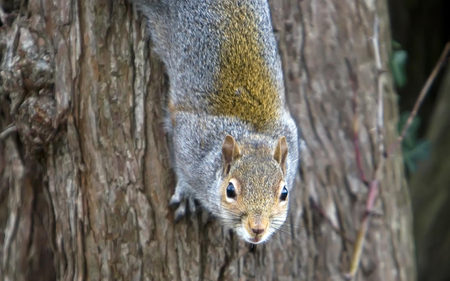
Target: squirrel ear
230,151
281,152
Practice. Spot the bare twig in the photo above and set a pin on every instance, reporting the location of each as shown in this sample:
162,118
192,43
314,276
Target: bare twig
361,237
354,86
374,184
376,48
10,129
381,80
422,95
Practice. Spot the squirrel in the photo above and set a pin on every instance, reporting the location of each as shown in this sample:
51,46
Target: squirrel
234,143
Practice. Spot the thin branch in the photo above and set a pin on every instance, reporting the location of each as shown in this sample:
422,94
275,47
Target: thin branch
422,95
376,48
355,139
9,130
374,184
381,80
361,237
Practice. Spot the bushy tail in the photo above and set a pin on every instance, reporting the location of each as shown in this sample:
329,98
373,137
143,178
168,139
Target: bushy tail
158,22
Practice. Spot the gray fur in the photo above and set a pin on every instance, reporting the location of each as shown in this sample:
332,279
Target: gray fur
186,35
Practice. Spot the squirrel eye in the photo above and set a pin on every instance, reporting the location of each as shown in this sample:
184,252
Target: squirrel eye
231,191
284,194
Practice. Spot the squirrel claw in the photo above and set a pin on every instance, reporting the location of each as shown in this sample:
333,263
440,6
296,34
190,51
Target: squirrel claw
180,211
192,205
181,206
175,201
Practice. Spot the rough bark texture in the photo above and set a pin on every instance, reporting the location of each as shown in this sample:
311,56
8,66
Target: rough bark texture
85,181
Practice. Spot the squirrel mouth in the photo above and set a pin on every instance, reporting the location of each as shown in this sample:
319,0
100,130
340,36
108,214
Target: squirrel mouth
256,239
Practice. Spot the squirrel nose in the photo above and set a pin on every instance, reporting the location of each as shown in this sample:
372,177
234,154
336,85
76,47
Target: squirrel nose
258,230
256,224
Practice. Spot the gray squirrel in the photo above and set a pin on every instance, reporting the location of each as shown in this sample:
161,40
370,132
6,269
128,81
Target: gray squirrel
234,142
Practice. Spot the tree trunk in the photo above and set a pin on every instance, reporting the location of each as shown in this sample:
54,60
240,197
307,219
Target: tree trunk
430,194
85,179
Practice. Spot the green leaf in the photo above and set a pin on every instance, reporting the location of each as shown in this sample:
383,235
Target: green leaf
414,149
398,67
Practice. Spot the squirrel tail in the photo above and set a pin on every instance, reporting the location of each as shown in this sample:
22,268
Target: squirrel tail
157,15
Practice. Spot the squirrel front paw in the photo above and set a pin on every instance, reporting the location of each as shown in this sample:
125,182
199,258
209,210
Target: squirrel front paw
181,203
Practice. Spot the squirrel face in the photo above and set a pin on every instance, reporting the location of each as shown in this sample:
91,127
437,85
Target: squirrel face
254,196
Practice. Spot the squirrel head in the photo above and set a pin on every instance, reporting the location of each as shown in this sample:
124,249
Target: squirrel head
254,195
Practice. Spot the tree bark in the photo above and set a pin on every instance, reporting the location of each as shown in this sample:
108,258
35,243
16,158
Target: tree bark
86,180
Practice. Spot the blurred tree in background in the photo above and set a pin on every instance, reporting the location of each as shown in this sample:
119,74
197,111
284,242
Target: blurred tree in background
421,29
